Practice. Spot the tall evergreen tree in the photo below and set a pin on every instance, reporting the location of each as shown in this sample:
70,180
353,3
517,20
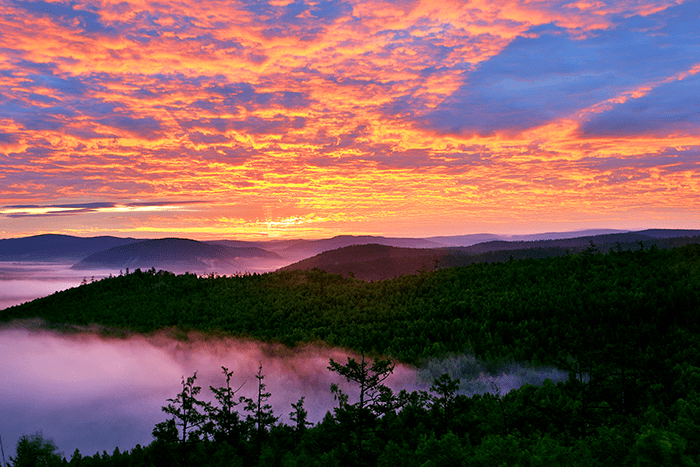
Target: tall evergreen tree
262,415
36,451
374,397
188,411
224,421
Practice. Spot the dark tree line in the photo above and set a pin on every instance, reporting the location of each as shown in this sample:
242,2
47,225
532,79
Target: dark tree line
530,426
541,310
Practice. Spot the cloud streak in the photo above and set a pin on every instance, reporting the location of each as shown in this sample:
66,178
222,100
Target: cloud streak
545,115
34,210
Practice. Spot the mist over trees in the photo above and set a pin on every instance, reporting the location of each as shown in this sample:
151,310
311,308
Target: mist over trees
624,324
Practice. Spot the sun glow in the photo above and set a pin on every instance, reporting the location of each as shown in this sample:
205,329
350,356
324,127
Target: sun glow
316,118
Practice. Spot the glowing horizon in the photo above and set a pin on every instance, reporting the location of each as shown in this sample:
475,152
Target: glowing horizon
294,118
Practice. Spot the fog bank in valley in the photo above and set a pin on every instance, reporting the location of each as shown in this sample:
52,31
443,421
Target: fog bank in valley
95,393
24,282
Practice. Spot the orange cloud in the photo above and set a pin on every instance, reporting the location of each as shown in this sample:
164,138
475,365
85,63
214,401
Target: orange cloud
337,116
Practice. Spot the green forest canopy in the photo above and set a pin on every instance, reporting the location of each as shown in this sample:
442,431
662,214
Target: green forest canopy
541,310
624,324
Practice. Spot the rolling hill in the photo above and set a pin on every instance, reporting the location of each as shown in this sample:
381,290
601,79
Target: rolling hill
300,249
378,262
57,248
178,255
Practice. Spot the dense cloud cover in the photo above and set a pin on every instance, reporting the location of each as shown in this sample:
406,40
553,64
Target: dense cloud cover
292,117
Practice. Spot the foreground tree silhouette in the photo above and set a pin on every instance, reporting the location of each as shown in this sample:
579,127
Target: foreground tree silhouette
299,417
187,414
36,451
375,399
443,403
225,423
262,416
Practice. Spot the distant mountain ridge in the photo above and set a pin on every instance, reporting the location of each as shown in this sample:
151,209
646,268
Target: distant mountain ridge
378,262
175,254
628,239
399,255
473,239
57,248
562,235
297,249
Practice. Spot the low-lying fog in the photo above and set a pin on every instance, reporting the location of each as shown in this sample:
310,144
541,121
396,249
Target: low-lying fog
95,394
23,282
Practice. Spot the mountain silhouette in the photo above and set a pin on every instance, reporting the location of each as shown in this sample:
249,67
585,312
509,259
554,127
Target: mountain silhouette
177,255
378,262
57,248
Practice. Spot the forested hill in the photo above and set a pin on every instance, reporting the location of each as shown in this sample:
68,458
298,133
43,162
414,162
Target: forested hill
176,254
625,325
373,262
53,247
533,310
378,262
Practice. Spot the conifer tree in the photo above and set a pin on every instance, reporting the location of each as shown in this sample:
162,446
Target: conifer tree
36,451
375,398
262,415
187,411
224,422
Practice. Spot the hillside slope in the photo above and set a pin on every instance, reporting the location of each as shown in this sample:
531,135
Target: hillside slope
378,262
177,255
57,248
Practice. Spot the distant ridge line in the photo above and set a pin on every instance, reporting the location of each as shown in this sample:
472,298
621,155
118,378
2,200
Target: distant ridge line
378,262
73,249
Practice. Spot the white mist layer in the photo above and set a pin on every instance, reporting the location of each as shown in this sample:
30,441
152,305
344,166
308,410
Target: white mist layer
477,378
94,393
24,282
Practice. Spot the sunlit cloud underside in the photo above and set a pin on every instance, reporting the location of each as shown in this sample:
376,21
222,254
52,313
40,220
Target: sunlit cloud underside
311,118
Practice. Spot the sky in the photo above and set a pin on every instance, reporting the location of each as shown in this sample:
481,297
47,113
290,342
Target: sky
291,118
